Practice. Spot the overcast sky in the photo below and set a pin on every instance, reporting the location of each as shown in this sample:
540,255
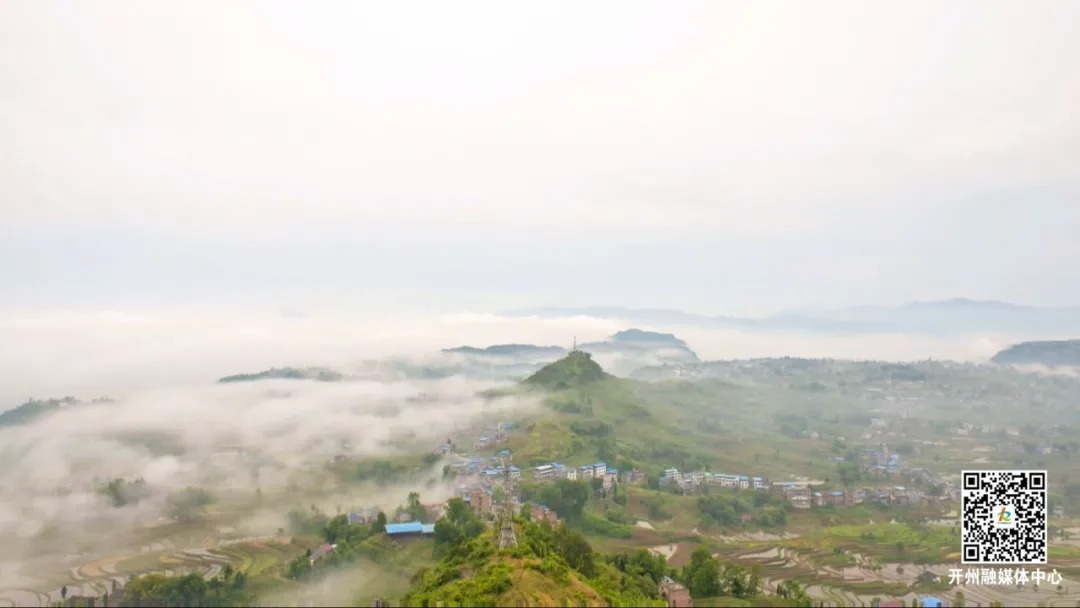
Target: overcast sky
716,157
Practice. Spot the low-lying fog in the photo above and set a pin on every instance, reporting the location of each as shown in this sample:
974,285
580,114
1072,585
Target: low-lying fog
51,354
171,425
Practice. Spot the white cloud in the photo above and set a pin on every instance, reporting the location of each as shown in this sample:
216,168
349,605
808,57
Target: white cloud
763,119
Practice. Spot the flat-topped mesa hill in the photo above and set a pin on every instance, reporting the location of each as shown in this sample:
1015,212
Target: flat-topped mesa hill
1050,353
287,373
642,340
575,370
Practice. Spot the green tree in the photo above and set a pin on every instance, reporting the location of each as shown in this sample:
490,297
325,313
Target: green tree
447,536
848,473
416,510
457,511
702,573
187,505
791,590
379,527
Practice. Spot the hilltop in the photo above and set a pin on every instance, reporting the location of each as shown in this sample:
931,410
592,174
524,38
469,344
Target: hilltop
1050,353
287,373
574,370
665,348
549,567
624,352
38,408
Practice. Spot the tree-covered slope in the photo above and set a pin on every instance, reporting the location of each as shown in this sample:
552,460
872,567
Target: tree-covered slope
588,415
1053,353
549,567
34,409
575,370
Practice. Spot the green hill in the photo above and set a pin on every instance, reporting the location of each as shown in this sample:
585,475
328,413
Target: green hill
575,370
590,415
1051,353
287,373
549,567
34,409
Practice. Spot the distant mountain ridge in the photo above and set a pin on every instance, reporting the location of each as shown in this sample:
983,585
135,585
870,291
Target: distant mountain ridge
287,373
503,350
959,315
1051,353
625,350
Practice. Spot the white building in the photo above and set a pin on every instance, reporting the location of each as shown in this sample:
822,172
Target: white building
544,471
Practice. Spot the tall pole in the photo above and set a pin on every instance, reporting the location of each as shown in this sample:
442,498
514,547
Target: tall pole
507,538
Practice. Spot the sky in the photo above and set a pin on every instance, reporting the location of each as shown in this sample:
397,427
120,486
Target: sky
717,157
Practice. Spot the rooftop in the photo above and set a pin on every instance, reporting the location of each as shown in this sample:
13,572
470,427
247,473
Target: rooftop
412,527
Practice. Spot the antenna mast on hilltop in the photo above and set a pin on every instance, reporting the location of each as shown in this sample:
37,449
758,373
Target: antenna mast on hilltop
507,538
575,343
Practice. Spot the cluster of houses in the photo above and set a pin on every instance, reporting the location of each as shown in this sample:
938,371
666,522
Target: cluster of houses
498,437
880,463
690,482
802,496
597,470
799,493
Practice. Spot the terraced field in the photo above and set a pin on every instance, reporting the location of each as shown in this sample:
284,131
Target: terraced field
255,556
858,585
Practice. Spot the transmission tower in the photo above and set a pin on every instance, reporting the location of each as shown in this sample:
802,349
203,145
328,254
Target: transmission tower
507,538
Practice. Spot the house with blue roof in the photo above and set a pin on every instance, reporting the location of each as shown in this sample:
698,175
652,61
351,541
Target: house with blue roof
599,469
515,473
409,530
585,471
932,602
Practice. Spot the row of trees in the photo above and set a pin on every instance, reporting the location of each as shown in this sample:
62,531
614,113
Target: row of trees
728,510
121,492
227,589
707,576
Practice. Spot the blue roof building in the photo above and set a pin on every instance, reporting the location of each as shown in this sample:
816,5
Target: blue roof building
412,527
932,602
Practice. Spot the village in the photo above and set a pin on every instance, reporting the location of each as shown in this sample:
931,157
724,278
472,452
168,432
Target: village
490,485
874,465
